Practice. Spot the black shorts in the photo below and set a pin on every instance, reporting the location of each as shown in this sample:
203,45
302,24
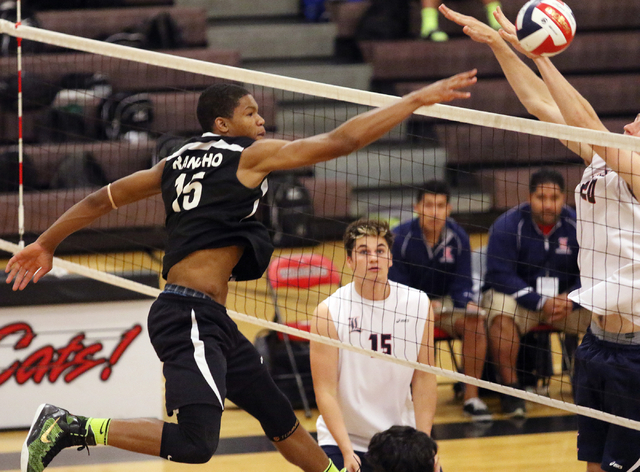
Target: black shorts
206,359
607,378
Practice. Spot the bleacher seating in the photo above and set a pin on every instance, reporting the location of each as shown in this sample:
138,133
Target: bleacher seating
602,63
173,93
98,24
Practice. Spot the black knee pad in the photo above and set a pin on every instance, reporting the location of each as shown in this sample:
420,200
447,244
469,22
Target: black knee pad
195,438
263,400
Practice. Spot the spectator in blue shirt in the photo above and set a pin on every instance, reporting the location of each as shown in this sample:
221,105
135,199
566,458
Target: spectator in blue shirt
532,265
432,253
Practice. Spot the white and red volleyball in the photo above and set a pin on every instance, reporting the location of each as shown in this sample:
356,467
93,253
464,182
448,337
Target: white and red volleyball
545,27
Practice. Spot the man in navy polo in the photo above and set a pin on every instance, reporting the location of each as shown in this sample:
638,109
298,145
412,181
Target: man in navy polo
532,266
432,253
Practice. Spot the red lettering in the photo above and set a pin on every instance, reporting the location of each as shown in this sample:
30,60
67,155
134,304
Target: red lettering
7,373
15,328
69,362
127,339
35,366
84,361
61,364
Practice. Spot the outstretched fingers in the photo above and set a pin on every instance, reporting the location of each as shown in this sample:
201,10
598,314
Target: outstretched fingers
460,81
475,29
454,16
30,264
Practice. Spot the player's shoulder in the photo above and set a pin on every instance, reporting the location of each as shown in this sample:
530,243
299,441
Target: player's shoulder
512,217
404,229
404,291
457,229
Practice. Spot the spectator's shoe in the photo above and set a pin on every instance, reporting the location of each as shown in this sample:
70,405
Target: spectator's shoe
53,429
477,410
513,407
436,35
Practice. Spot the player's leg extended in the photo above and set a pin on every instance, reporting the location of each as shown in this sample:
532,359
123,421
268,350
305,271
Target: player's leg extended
250,386
54,429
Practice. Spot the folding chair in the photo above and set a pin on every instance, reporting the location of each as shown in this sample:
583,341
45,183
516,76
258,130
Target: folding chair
301,271
543,361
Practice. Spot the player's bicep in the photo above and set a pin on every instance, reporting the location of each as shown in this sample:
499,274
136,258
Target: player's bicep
137,186
271,155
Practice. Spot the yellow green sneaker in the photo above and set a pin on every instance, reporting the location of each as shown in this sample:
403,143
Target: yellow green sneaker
53,429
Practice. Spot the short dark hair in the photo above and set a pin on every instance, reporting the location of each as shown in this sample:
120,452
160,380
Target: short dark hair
366,227
402,449
218,100
436,187
545,176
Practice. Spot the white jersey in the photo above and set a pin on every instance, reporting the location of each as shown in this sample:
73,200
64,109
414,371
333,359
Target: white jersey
608,233
374,394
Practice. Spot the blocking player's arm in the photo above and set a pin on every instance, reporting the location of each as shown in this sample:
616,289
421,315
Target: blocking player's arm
324,372
268,155
577,111
424,386
35,260
528,87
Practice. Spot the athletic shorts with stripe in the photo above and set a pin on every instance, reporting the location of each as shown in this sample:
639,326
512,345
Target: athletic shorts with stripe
206,359
607,378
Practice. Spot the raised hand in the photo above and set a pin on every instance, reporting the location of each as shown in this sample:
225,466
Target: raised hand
446,90
475,29
31,263
508,33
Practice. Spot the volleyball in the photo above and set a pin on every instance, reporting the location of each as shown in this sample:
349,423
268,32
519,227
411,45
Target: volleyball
545,27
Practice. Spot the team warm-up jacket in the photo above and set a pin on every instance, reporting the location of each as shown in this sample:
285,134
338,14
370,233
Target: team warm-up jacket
439,271
519,253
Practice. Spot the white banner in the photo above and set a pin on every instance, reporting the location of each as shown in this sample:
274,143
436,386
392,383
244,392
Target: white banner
93,359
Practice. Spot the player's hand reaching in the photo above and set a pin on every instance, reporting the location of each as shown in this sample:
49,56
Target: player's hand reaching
31,263
446,90
508,33
475,29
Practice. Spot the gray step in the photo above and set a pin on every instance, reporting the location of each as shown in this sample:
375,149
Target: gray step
308,119
218,9
382,166
396,205
356,76
274,40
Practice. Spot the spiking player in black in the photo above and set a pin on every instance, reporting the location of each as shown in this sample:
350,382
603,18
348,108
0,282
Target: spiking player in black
211,188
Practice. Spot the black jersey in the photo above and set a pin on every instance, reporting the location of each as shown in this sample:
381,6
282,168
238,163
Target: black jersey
207,207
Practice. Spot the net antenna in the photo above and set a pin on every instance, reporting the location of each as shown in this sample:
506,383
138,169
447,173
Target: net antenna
484,119
20,140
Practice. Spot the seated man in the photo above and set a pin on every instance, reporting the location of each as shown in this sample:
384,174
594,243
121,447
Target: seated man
359,395
432,253
403,449
532,265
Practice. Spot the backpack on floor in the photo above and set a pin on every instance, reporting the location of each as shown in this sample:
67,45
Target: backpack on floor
78,170
288,212
125,115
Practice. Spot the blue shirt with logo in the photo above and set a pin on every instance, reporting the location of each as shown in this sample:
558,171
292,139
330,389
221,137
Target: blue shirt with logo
519,253
439,271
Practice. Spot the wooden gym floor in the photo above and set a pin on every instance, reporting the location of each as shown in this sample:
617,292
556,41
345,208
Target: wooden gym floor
546,439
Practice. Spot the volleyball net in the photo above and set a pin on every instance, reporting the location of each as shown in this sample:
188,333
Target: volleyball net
90,112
